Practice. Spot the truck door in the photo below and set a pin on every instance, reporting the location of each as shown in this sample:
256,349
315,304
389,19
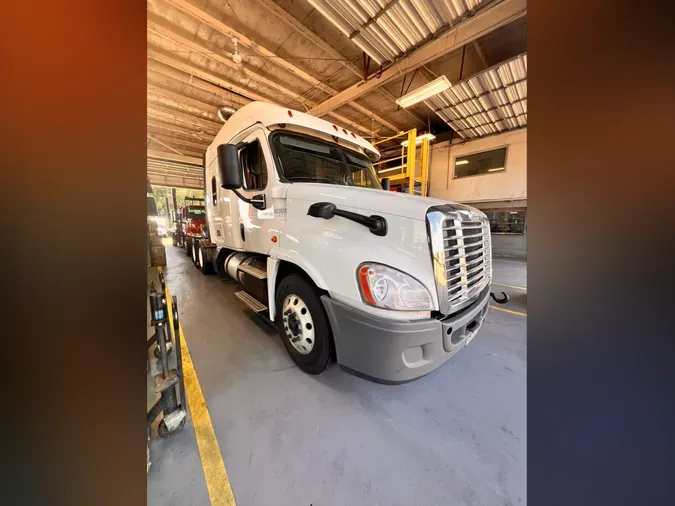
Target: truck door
257,226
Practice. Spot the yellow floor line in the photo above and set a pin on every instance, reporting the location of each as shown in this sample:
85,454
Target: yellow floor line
215,474
509,311
511,286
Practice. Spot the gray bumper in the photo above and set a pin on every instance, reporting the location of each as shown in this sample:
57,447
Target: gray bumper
398,351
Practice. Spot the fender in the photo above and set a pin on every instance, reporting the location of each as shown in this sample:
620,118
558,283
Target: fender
273,270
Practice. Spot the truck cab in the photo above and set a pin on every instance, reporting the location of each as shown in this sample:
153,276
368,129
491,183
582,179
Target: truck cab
190,224
388,285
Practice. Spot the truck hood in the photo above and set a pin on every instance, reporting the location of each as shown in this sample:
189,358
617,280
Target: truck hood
194,226
367,199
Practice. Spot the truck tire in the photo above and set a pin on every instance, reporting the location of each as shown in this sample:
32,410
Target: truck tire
205,265
187,246
195,249
173,240
303,325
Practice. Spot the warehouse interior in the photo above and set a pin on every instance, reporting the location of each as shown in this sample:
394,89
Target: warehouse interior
259,430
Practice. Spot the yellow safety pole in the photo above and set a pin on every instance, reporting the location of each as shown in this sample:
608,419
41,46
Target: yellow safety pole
424,166
412,139
389,138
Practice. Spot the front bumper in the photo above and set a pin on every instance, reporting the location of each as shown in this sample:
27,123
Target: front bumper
392,351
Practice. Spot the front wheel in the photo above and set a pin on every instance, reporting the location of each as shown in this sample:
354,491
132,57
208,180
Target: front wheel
187,246
303,325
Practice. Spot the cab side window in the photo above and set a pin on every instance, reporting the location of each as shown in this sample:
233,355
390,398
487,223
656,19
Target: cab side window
254,167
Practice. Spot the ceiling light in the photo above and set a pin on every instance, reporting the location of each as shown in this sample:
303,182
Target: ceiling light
428,90
494,170
461,162
236,57
419,139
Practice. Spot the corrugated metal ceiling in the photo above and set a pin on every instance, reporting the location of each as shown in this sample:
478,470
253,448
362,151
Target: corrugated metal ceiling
385,29
490,102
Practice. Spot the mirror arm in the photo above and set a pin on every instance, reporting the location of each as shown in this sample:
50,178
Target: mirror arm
326,210
247,200
258,204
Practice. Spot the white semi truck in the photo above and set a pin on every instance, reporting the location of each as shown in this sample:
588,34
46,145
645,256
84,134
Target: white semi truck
388,285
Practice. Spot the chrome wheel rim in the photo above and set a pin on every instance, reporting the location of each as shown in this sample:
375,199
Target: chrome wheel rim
194,253
201,257
298,324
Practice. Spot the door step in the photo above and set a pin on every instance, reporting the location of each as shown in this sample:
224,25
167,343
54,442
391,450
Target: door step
253,304
253,271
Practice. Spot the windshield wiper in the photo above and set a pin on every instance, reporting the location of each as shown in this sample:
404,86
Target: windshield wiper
314,180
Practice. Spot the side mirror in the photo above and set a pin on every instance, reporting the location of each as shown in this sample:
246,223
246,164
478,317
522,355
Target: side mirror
386,183
229,166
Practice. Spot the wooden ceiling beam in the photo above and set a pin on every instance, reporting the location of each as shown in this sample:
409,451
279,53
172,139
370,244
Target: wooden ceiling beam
483,22
190,80
164,32
162,110
178,142
220,27
163,155
297,26
182,99
185,131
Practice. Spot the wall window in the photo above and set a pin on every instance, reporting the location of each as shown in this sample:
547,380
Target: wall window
506,222
253,163
486,162
214,191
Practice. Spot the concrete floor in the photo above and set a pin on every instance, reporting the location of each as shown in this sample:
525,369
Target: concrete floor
456,436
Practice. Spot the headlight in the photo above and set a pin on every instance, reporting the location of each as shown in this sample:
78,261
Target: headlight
388,288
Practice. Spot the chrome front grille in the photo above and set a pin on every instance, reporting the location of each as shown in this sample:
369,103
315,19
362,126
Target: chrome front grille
461,249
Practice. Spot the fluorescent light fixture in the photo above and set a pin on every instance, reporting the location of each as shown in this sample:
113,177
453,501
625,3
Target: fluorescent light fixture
419,139
422,93
495,170
513,212
461,162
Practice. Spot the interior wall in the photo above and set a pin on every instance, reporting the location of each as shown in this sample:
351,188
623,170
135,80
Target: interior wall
508,185
487,191
510,246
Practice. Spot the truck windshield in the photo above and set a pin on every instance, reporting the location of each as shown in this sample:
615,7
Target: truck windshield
307,159
196,213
